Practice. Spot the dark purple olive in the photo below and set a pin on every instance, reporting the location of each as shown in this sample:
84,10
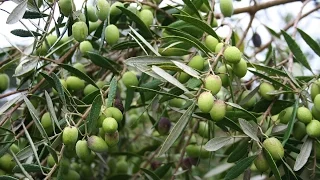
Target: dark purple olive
118,104
256,39
164,126
155,164
186,164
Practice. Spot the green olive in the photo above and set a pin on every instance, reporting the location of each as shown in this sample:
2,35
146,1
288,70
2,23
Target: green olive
46,120
4,82
232,54
213,83
218,110
74,83
85,47
103,8
266,88
313,129
211,43
226,7
205,102
304,115
80,31
240,68
261,163
114,10
110,125
275,148
97,144
130,79
112,34
146,17
70,135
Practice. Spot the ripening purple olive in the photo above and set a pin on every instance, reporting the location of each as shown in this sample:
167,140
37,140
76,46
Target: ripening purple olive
256,40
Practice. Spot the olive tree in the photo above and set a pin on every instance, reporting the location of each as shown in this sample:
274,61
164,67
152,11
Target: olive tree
149,89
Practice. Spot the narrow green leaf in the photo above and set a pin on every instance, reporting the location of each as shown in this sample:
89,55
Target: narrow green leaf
112,91
27,66
24,33
241,109
249,129
272,80
187,69
125,45
30,168
169,78
51,110
28,150
239,151
218,170
296,51
53,153
129,98
249,96
78,73
162,170
217,143
9,103
192,7
266,69
240,167
291,123
151,174
272,164
304,155
4,148
273,32
90,97
145,31
144,41
59,87
33,148
94,113
33,15
36,120
312,43
101,61
6,177
168,95
199,24
177,130
148,60
17,13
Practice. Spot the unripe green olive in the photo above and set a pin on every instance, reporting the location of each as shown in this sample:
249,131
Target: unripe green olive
286,115
261,163
74,83
250,102
89,89
218,110
14,148
110,125
177,102
6,162
313,129
93,26
226,7
4,82
218,48
116,113
97,144
112,139
91,12
203,129
103,115
66,7
51,39
315,113
205,102
316,102
85,47
213,83
314,90
146,17
183,77
112,34
42,50
103,8
114,10
122,167
265,88
299,130
240,68
46,120
214,22
211,42
71,174
130,79
80,31
304,115
193,150
50,161
82,149
232,54
275,148
70,135
223,74
197,62
204,8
